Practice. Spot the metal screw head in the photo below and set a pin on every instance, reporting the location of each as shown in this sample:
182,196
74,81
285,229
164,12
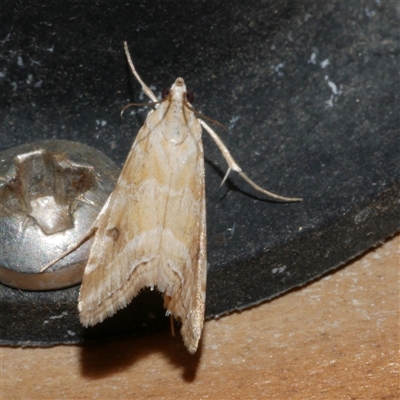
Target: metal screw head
50,194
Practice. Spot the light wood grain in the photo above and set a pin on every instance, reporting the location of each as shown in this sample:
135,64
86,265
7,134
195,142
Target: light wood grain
337,338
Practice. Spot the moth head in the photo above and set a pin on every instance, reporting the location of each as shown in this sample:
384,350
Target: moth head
178,90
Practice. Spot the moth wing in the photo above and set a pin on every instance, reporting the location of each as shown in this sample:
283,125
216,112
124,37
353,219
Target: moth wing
152,232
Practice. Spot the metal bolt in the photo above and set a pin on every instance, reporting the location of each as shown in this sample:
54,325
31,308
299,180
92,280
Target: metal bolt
50,194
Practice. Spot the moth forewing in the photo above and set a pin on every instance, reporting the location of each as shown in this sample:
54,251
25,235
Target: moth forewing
152,230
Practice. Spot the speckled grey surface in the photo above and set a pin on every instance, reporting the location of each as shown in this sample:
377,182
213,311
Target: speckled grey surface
308,90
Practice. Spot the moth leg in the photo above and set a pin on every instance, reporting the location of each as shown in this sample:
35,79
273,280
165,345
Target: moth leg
232,165
172,325
70,249
167,300
145,88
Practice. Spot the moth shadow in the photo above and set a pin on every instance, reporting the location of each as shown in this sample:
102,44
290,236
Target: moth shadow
102,360
111,348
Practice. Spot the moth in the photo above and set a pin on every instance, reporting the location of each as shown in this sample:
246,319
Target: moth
151,232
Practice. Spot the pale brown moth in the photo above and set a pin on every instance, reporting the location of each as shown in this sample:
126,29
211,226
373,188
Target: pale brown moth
152,229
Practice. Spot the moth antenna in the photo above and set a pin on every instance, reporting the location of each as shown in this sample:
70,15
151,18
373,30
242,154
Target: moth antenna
199,114
145,88
69,250
234,166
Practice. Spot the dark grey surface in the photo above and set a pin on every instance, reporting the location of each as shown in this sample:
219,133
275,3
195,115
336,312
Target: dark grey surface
250,65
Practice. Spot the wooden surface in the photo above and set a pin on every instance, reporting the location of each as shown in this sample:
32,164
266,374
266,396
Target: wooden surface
337,338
